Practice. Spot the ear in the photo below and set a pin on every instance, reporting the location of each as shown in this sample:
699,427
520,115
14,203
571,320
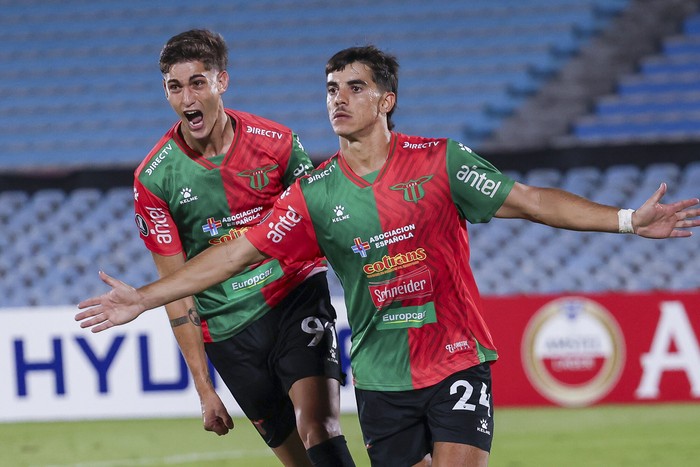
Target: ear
222,80
387,102
165,88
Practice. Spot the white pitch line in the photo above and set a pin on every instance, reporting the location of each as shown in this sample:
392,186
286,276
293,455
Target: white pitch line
169,460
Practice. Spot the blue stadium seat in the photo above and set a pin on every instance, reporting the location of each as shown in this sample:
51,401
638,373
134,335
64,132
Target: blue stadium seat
82,84
509,257
108,86
660,102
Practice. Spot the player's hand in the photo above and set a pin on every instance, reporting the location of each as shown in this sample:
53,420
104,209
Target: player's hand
120,305
656,220
215,417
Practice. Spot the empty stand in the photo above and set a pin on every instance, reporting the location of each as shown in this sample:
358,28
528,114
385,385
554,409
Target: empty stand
562,113
83,88
55,242
659,102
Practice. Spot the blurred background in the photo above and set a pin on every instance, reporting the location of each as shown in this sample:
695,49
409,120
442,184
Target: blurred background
599,97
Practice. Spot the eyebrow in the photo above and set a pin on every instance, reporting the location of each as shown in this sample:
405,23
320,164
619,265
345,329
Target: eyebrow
193,77
352,82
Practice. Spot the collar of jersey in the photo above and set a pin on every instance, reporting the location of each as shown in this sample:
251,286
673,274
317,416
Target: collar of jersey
359,181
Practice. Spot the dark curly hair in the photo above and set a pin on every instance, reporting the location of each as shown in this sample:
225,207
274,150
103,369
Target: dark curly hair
195,45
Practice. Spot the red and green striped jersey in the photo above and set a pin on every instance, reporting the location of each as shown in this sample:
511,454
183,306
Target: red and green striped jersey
397,240
185,203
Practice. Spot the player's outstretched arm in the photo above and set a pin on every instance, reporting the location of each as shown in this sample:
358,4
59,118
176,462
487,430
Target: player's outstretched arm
124,303
561,209
656,220
120,305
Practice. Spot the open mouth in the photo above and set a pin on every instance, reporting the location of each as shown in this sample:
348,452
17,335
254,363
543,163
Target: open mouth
195,117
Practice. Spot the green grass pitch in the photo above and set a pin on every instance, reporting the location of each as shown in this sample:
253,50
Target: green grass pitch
605,436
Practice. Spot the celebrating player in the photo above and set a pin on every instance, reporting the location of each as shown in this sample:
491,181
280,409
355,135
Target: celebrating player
421,350
208,180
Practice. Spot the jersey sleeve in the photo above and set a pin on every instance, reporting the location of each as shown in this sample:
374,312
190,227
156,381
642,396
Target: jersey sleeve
287,232
478,189
156,226
299,162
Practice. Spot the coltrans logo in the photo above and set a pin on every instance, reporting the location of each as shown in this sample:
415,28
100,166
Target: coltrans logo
230,236
392,263
573,351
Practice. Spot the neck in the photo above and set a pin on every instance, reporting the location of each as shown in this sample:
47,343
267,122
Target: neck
367,154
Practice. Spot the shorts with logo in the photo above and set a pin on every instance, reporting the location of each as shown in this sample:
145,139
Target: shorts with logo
400,427
294,340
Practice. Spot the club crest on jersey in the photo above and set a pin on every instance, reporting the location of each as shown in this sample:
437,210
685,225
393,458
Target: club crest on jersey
412,189
360,247
212,226
258,176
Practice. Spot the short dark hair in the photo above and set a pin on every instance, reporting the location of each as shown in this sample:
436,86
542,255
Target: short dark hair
385,68
195,45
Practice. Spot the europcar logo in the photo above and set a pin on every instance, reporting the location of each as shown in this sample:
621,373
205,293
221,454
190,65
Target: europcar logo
573,351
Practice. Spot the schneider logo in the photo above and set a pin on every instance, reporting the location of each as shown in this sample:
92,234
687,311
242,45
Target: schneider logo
573,351
416,284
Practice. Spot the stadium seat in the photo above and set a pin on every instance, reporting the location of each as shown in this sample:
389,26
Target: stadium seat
103,105
83,85
659,102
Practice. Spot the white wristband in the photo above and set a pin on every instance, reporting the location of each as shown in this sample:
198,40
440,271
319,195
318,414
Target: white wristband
624,220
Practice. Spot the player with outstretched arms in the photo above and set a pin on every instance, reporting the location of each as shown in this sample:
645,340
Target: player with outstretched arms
388,211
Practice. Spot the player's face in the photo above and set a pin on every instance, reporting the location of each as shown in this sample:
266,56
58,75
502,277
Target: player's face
355,104
194,94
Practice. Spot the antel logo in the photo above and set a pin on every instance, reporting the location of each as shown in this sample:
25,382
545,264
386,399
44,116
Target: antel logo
573,351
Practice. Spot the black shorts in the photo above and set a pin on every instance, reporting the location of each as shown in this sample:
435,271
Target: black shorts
294,340
400,427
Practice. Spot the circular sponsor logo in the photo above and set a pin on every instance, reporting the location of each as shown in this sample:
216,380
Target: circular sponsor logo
573,351
142,224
